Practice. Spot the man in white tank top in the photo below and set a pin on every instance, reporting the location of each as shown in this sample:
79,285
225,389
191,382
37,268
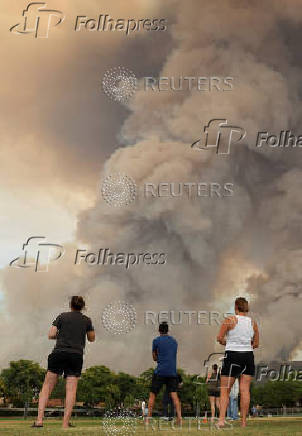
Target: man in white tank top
240,335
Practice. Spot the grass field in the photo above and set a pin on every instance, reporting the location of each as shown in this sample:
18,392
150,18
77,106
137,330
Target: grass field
94,427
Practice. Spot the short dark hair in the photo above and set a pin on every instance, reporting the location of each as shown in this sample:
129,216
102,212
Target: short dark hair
242,305
163,328
77,303
215,366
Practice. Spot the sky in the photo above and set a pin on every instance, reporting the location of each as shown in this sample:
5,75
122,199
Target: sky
61,135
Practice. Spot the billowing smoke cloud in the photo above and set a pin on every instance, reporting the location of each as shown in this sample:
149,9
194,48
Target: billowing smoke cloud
216,248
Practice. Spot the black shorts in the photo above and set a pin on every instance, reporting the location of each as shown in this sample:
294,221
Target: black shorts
70,364
158,381
236,363
215,394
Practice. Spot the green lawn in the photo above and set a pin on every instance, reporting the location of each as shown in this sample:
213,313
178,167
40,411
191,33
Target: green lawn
94,427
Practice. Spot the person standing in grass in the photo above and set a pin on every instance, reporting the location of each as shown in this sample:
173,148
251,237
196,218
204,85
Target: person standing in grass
70,330
240,335
164,352
213,388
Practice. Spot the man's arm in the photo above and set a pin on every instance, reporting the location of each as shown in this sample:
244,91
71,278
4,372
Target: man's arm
91,336
90,333
255,340
53,332
155,349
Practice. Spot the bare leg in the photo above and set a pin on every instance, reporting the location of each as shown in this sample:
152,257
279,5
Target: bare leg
225,389
49,383
244,385
152,397
212,403
217,403
177,405
71,393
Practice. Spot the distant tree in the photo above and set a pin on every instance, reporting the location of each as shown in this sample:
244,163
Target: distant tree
93,385
276,393
21,380
3,390
129,401
127,385
143,384
112,396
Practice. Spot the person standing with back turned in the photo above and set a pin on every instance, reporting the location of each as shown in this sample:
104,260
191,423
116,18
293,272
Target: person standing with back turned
164,352
240,335
69,330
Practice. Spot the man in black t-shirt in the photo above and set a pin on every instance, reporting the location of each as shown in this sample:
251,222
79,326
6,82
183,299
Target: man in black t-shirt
70,330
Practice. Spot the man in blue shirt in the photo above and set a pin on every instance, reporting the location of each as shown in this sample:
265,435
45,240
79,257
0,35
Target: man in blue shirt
164,352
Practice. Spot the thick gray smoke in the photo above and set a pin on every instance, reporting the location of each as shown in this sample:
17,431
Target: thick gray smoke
217,248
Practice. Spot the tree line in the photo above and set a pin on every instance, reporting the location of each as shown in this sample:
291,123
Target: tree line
21,382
